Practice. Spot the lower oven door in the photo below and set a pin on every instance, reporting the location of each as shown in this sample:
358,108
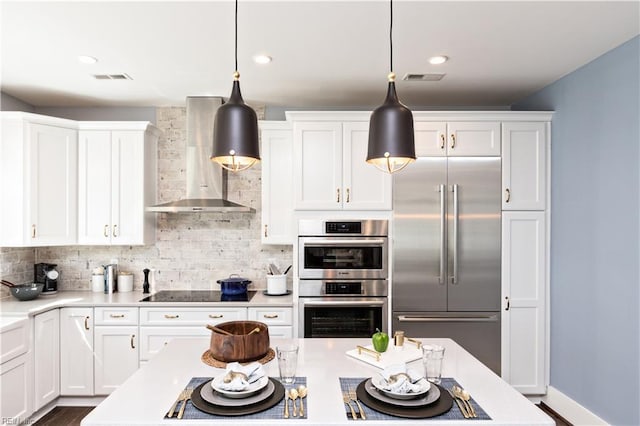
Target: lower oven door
342,316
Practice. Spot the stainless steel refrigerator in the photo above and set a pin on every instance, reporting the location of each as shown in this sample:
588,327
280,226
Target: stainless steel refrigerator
446,252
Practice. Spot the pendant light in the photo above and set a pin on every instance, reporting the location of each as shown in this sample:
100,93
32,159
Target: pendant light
235,131
391,139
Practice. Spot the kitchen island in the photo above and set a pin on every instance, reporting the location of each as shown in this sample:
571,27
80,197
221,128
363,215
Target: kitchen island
146,396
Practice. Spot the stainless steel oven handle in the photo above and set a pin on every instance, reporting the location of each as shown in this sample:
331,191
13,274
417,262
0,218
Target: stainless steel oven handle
477,318
324,303
344,241
443,222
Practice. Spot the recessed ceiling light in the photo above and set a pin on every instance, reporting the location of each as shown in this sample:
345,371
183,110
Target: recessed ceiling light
437,60
84,59
262,59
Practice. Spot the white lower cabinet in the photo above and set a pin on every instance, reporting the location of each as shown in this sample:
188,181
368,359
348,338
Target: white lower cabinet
117,356
524,298
278,319
76,351
46,358
153,339
16,390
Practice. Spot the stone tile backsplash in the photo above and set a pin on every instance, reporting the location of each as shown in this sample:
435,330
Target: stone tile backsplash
192,251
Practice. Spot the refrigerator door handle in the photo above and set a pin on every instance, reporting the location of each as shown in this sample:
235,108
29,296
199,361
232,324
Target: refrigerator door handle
454,273
443,223
426,318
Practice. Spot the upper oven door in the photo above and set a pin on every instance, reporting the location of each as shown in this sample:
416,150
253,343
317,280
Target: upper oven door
343,257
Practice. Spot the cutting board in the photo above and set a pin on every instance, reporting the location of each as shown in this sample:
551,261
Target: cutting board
391,356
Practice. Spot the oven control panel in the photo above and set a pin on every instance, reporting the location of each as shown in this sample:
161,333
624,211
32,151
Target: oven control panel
343,288
343,227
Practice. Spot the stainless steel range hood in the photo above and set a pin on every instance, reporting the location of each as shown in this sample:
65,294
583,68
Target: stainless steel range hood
206,181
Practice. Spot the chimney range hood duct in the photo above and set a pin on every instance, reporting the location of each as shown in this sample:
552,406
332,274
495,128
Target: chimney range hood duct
206,180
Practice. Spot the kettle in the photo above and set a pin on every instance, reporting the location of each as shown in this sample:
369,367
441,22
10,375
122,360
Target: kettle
110,278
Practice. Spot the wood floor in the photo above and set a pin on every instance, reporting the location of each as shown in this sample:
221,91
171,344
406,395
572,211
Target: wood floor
71,416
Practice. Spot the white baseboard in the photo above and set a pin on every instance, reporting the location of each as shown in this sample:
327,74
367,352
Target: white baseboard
573,412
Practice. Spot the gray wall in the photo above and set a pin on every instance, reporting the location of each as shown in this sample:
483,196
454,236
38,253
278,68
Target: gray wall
9,103
595,137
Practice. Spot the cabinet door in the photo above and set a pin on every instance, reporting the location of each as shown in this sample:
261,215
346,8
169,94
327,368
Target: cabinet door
76,351
127,188
277,187
524,166
475,139
46,358
430,138
16,390
523,298
94,195
54,185
116,356
154,339
317,153
365,187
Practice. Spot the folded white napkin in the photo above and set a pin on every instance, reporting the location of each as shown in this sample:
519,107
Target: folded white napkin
253,372
395,379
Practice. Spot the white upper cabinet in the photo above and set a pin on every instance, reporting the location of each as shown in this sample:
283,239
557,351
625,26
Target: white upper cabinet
330,169
430,138
524,152
277,183
38,181
457,138
117,169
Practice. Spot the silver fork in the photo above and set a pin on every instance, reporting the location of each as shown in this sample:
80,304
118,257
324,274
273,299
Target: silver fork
347,400
187,397
175,404
354,398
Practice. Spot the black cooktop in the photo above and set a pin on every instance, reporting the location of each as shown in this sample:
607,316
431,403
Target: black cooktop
197,296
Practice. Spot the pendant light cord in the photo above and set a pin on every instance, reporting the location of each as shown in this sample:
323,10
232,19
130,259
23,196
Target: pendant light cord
236,41
391,36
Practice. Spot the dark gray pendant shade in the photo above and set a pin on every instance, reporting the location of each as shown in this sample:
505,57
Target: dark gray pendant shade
235,133
391,137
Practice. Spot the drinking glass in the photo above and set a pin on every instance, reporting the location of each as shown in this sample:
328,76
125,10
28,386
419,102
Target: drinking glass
287,362
432,356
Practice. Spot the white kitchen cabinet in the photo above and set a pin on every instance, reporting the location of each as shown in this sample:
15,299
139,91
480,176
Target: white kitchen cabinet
46,358
117,181
16,390
116,356
524,153
76,351
153,339
330,169
457,138
524,300
277,183
38,180
278,319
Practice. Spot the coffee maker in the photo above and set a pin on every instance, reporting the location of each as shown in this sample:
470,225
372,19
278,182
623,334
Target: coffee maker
45,273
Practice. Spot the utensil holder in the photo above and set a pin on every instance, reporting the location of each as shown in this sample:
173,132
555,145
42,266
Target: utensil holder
276,284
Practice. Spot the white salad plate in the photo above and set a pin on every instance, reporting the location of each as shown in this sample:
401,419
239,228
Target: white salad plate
213,397
432,395
253,388
379,383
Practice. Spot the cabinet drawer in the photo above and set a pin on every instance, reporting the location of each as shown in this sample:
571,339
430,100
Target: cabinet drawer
271,316
116,316
14,337
153,339
281,332
190,316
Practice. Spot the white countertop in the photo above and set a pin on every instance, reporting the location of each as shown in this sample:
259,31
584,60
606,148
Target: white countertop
10,306
147,395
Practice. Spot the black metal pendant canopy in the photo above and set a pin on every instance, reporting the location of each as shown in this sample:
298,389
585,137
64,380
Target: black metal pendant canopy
235,131
391,138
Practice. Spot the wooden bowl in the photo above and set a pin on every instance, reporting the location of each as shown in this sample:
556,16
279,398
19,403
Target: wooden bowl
240,346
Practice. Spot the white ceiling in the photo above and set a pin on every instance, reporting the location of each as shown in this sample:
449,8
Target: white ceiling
325,53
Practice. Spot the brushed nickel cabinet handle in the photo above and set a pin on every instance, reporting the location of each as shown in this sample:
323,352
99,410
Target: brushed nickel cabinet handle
338,195
33,231
115,230
105,232
132,345
167,316
265,230
86,323
442,140
453,140
508,303
116,315
216,316
270,316
507,195
348,195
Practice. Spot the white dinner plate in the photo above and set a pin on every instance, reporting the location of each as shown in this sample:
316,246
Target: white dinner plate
431,396
208,394
379,382
254,387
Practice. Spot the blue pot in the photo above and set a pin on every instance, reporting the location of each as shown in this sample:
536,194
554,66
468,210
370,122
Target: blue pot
233,285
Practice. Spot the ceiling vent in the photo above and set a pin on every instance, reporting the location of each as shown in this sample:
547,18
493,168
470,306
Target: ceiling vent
423,77
112,77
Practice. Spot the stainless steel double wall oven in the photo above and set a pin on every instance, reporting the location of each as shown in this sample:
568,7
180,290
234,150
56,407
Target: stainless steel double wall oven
343,277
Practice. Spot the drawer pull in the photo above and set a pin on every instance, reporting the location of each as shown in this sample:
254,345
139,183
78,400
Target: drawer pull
116,315
132,337
216,316
270,316
167,316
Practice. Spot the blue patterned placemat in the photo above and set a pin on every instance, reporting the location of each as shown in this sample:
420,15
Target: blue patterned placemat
275,412
347,383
